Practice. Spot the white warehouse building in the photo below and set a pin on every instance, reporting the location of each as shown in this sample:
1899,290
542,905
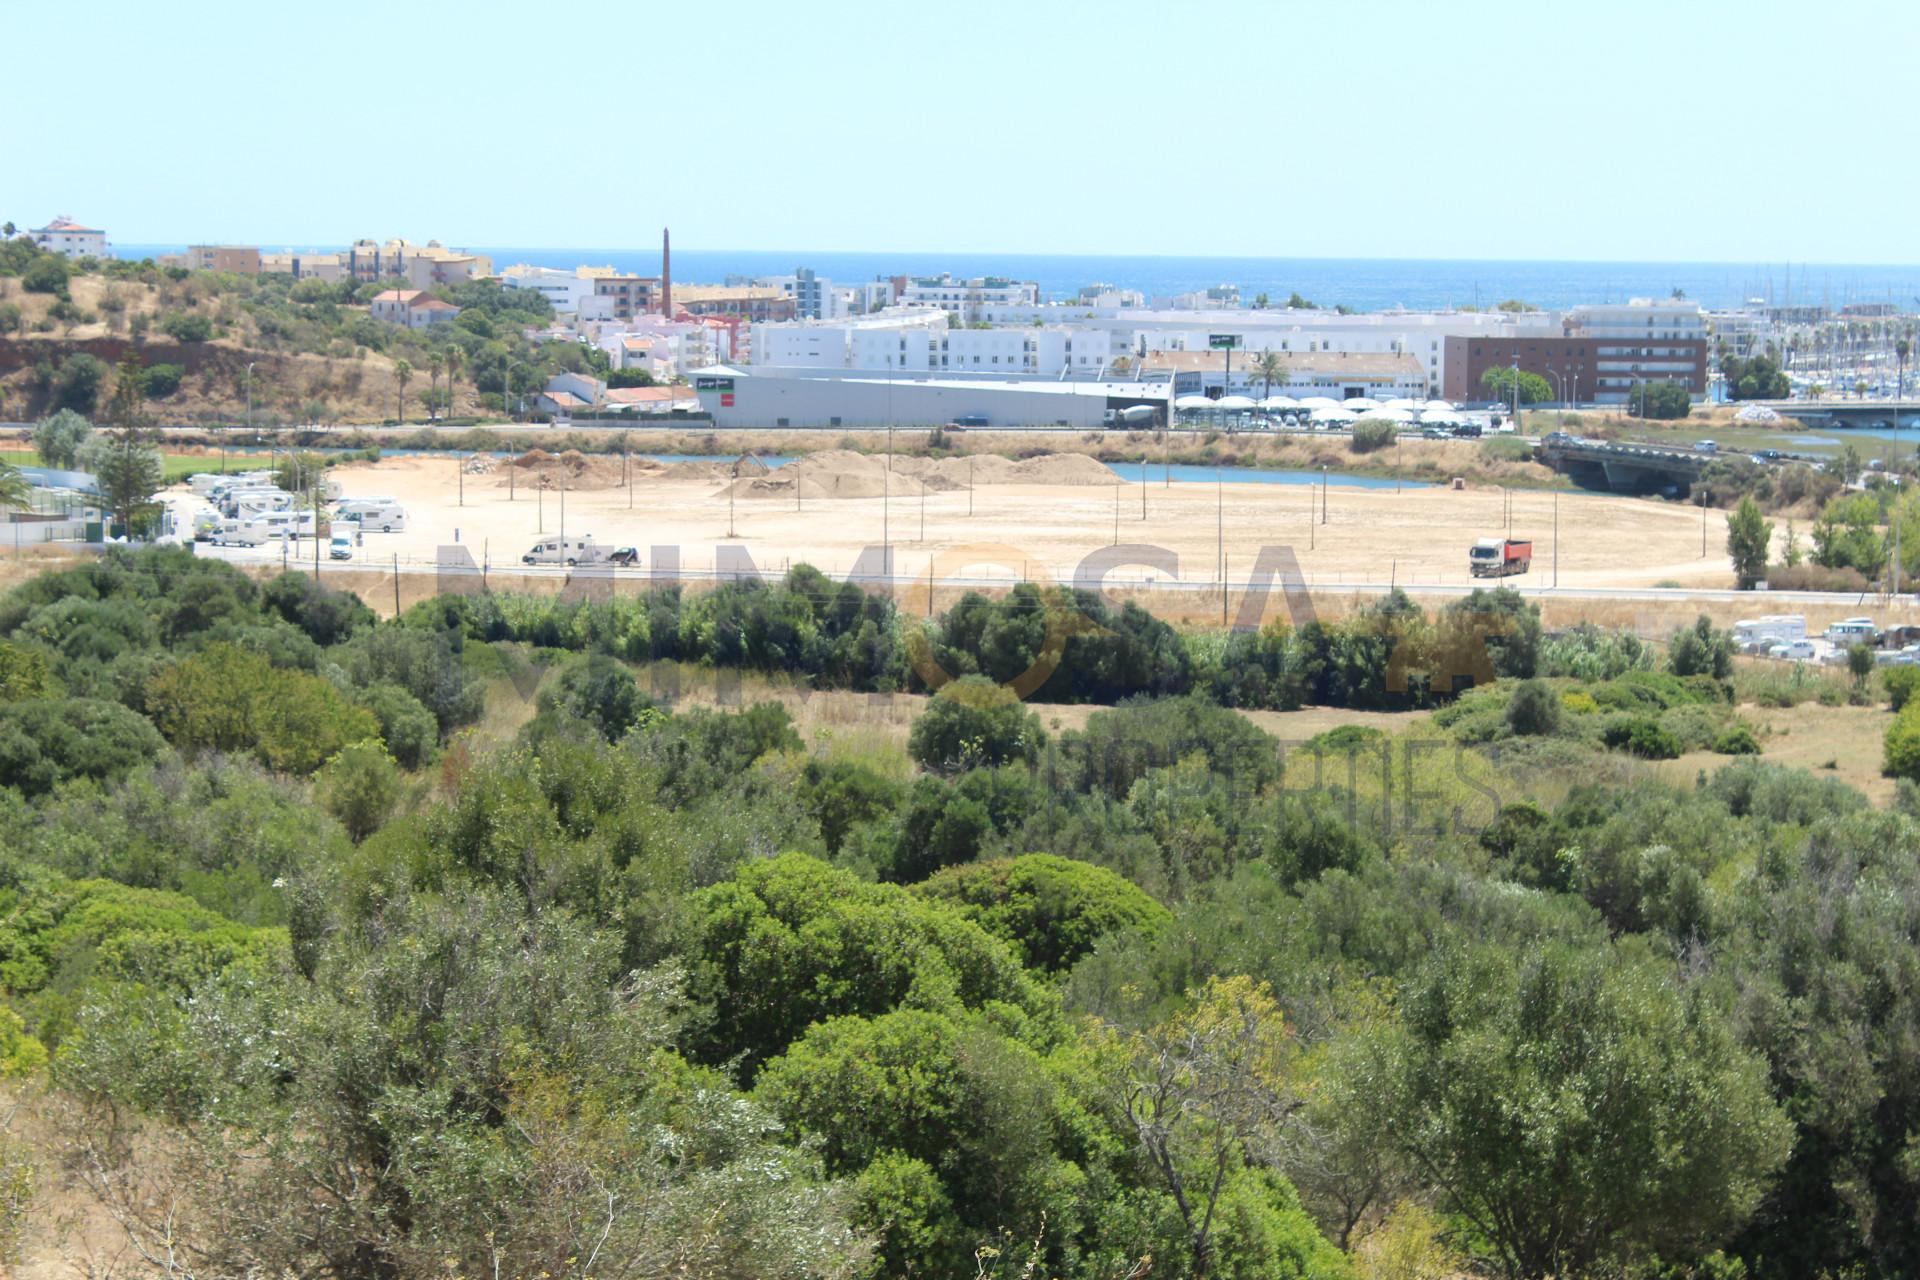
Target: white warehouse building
766,397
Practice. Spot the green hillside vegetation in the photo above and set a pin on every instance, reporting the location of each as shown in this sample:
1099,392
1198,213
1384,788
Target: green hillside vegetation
320,355
327,973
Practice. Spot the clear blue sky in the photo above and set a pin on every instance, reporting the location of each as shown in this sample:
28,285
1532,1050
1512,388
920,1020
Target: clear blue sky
1356,128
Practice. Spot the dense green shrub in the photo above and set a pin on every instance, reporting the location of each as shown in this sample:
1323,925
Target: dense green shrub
46,741
974,722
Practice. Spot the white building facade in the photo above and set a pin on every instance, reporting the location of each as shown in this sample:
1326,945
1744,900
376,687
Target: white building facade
65,236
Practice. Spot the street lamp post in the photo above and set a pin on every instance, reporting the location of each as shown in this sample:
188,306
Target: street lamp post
223,443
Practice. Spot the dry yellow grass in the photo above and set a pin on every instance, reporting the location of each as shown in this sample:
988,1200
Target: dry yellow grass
1841,742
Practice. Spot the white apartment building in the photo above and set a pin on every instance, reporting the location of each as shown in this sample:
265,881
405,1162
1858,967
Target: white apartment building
967,298
65,236
1640,341
814,296
923,339
666,348
564,289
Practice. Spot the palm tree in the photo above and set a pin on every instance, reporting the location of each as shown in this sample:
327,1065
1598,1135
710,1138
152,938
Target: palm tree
1268,366
14,489
1902,348
403,374
435,363
455,358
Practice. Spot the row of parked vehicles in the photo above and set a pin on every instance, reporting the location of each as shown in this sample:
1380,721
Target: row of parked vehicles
249,509
1784,636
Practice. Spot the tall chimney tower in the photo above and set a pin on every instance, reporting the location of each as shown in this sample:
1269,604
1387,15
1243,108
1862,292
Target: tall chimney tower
666,273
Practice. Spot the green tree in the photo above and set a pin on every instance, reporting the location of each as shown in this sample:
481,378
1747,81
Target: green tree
187,326
57,438
1497,384
129,469
1901,745
15,491
359,786
1205,1093
408,728
77,384
47,741
1270,367
1369,437
402,375
601,692
25,673
1859,663
46,274
1534,709
1052,910
1755,378
1749,543
1659,400
974,722
1578,1109
226,699
1701,650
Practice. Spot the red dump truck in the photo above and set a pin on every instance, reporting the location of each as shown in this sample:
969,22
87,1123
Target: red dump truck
1499,557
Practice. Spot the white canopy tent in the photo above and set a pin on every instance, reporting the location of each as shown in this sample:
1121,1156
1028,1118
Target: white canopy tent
1194,404
1335,415
1234,404
1386,415
1360,404
1275,404
1319,402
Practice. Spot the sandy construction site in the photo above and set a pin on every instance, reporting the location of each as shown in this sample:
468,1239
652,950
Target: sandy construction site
1048,514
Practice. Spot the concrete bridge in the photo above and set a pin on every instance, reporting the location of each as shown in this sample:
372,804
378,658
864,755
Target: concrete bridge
1623,468
1845,413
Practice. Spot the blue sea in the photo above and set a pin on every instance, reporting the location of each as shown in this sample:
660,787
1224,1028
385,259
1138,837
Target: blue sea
1365,284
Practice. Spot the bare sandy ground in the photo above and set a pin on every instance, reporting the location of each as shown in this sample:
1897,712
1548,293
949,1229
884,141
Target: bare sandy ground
1416,536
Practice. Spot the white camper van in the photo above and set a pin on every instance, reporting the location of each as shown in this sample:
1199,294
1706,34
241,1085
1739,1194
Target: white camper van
1758,635
570,551
281,524
383,514
257,502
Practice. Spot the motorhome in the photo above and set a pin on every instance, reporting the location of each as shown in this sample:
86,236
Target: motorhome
569,551
383,514
1761,634
239,533
282,524
257,502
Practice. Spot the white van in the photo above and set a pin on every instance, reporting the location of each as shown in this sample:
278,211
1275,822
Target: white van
1851,631
282,524
1793,650
383,514
569,552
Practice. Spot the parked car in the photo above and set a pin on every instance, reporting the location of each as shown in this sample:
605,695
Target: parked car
625,558
340,548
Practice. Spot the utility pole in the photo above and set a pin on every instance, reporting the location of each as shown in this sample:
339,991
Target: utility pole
1220,537
1556,539
1703,521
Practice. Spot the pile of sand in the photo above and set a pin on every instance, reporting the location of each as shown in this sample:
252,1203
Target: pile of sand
573,469
837,473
